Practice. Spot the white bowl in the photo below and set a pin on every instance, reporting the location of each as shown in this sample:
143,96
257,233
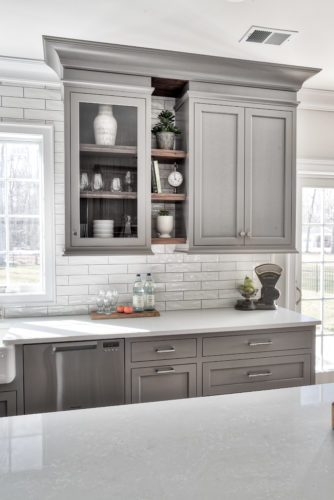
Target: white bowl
104,232
103,236
103,222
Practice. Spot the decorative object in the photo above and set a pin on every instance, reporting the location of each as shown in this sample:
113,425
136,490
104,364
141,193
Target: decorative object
175,178
157,176
127,233
165,130
105,126
128,182
154,181
116,185
97,184
165,224
268,275
247,290
84,182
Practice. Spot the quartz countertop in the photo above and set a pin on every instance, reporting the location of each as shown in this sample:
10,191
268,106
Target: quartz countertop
71,328
275,445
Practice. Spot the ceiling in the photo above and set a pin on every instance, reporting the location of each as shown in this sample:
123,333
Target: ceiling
211,27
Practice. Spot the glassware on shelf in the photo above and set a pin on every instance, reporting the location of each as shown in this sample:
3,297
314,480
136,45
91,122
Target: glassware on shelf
100,302
84,182
128,182
97,184
127,231
83,230
110,301
116,185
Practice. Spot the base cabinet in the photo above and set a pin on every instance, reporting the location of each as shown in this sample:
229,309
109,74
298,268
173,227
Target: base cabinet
158,383
7,404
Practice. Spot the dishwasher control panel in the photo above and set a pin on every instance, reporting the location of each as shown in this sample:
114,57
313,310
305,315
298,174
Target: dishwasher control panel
111,345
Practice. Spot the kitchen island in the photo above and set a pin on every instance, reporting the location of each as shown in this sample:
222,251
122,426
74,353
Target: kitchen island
275,445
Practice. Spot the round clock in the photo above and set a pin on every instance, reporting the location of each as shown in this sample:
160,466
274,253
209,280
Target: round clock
175,178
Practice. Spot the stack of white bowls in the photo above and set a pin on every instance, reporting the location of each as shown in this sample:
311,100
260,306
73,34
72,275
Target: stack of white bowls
103,228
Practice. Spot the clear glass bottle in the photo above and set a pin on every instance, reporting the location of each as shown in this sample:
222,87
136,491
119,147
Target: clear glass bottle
149,293
138,297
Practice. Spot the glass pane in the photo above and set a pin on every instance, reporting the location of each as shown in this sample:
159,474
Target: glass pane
24,234
312,243
2,197
23,160
2,270
328,320
328,353
312,205
108,171
24,269
23,198
2,234
329,280
312,308
329,206
318,354
2,159
329,242
311,279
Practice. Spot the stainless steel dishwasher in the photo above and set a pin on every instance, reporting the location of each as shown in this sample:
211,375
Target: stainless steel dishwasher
70,375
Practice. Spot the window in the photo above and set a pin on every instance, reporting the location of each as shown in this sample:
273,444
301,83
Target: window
26,214
317,264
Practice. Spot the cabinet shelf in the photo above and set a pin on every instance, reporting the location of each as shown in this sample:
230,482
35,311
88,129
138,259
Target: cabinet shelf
168,155
168,241
108,150
168,196
109,195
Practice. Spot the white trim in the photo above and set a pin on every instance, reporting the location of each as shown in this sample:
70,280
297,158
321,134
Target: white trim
27,71
315,99
48,253
315,168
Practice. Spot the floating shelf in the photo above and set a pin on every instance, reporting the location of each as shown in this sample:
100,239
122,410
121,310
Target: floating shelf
168,196
108,150
168,154
168,241
109,195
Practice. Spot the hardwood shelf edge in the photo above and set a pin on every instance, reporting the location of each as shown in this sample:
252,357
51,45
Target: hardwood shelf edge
168,197
168,241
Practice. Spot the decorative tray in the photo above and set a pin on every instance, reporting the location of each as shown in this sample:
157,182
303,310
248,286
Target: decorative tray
116,315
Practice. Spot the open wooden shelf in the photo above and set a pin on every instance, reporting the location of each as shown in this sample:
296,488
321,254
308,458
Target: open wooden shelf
108,150
109,195
168,241
168,196
168,154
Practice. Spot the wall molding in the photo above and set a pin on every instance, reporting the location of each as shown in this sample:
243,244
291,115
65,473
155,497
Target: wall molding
313,166
27,71
316,99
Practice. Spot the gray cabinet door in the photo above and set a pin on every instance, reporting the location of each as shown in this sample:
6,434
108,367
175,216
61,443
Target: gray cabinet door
219,175
159,383
269,177
7,404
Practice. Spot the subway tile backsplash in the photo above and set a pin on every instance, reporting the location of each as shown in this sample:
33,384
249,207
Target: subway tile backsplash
182,281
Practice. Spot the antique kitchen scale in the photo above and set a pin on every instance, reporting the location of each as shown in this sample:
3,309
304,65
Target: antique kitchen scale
268,275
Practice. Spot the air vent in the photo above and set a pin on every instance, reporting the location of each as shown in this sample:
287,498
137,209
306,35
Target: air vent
268,36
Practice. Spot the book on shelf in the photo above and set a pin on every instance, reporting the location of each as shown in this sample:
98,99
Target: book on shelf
157,175
154,182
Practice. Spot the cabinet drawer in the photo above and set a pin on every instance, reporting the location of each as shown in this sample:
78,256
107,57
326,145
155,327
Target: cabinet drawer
225,377
161,383
163,349
7,404
253,343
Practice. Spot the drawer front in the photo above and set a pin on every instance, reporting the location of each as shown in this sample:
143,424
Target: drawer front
161,383
253,343
226,377
163,349
7,404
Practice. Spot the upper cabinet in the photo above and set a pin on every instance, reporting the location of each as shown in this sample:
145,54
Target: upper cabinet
236,152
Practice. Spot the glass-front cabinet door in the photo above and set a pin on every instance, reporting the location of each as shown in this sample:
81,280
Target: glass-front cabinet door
108,185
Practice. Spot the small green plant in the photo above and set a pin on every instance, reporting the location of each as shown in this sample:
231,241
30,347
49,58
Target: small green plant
166,123
248,287
163,212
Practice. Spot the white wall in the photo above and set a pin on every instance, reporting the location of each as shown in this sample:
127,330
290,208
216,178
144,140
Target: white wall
315,134
184,281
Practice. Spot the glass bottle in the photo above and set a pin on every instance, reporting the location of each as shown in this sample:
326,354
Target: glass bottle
138,295
149,293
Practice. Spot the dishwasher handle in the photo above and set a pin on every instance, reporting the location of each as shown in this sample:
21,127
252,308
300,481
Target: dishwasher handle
74,346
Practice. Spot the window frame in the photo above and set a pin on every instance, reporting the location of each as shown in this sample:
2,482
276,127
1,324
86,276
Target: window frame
47,217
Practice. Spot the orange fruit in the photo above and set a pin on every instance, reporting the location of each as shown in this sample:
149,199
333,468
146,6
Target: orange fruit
128,309
120,309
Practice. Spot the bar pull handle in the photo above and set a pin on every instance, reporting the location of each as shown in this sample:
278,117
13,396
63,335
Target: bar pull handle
298,301
165,370
255,343
259,374
74,346
162,350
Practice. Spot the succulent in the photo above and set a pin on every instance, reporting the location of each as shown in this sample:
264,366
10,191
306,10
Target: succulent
163,212
166,123
248,287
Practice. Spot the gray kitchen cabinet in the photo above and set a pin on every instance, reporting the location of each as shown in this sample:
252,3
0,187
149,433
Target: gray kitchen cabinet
163,382
8,404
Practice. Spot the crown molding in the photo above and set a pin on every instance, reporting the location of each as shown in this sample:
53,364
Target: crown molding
63,53
315,167
27,71
316,99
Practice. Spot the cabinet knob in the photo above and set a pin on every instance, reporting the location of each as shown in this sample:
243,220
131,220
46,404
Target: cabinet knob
242,233
248,234
75,233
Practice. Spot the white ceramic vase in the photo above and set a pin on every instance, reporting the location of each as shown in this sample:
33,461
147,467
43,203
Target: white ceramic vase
105,126
165,224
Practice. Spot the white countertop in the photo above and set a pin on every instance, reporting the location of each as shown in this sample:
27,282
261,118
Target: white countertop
70,328
275,445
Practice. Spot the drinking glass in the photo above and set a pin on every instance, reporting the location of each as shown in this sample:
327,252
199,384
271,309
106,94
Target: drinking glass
84,183
100,302
97,182
116,185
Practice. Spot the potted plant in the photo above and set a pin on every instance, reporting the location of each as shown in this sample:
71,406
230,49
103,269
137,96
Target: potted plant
165,130
165,223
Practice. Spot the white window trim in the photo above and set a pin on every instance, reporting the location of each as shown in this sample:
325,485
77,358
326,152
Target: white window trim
48,254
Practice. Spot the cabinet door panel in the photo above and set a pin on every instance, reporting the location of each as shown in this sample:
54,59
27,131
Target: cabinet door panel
160,383
7,404
268,177
219,175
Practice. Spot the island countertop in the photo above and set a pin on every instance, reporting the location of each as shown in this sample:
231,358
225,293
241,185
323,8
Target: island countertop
72,328
276,445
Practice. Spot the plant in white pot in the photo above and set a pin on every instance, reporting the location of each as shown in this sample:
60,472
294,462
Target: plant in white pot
165,224
165,130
